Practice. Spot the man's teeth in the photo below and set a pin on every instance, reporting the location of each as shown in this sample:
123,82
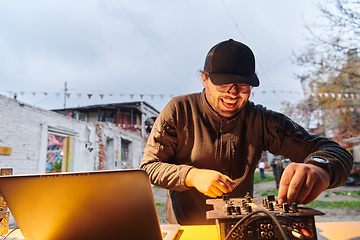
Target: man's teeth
229,101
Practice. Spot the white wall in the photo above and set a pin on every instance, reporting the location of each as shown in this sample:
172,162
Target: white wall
24,129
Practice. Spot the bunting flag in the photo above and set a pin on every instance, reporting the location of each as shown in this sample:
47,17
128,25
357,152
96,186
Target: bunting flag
89,95
101,96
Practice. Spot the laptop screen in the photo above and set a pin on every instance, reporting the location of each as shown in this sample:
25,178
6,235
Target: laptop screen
116,204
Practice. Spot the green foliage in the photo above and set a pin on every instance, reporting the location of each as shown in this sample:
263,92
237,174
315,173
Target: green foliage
257,178
160,204
57,165
268,192
335,204
348,193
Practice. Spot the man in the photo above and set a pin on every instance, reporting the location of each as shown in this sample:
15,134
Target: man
277,168
207,144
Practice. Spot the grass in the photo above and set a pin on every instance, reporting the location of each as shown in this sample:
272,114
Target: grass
257,178
348,193
335,204
268,192
160,204
160,207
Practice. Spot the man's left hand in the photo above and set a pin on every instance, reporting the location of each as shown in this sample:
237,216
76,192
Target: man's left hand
302,183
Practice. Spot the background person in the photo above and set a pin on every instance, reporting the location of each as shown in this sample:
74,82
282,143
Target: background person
262,169
277,168
207,144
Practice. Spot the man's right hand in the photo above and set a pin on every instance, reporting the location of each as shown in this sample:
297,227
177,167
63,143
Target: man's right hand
209,182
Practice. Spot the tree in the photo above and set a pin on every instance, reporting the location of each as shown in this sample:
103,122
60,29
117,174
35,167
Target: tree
331,81
336,31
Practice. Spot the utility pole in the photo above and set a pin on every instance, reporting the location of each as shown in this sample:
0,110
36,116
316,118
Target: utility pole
65,95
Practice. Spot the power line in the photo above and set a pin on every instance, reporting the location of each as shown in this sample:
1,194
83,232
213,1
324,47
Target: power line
237,27
152,45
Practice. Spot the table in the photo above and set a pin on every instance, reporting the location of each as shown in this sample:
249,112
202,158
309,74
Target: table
338,230
325,231
206,232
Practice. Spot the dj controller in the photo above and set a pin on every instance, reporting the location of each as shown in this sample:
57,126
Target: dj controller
262,218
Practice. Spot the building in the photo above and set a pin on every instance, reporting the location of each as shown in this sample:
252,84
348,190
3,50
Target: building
113,122
34,140
136,116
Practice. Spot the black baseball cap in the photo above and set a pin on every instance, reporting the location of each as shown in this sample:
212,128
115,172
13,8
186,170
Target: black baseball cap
231,62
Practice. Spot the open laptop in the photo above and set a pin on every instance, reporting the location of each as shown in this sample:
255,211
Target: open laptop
114,204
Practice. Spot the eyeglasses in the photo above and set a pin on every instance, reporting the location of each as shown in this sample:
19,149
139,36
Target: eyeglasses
242,88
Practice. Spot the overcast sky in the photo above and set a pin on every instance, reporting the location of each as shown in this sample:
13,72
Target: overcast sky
110,51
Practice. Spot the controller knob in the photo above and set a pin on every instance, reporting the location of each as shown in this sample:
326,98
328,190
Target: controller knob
271,206
229,210
238,210
285,207
295,208
248,208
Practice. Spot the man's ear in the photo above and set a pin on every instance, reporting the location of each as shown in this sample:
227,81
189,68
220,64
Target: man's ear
204,78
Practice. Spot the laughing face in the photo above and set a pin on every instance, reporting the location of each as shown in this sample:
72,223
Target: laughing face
227,104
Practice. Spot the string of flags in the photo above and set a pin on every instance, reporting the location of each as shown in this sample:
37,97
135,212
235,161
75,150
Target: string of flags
90,95
325,111
340,95
152,96
101,95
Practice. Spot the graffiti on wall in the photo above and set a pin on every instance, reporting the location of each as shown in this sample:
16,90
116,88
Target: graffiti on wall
55,153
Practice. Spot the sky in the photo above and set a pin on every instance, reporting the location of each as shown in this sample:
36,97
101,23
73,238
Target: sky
111,51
